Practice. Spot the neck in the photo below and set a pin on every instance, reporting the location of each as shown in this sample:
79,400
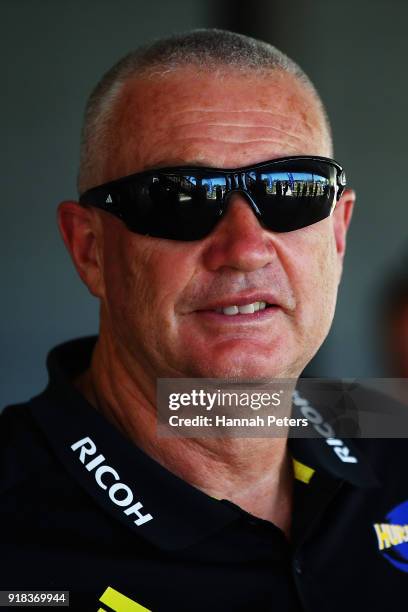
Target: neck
254,473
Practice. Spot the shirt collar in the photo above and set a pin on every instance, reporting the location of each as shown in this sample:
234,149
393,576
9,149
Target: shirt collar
181,514
339,457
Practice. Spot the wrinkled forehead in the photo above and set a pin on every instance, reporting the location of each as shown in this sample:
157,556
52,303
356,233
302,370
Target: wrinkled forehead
221,119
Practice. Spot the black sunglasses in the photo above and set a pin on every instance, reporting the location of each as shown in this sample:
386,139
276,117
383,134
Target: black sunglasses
186,203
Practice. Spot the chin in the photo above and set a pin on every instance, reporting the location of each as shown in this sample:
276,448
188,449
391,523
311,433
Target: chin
243,369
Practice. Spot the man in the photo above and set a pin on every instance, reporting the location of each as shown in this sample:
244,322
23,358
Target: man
237,285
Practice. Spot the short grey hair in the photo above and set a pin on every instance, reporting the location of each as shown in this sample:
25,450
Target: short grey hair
204,48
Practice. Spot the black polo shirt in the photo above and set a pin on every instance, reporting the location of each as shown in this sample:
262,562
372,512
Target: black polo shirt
84,510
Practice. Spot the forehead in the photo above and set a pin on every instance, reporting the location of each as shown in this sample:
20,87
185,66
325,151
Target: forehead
224,119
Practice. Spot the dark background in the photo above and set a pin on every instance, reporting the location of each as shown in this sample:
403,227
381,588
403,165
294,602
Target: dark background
54,51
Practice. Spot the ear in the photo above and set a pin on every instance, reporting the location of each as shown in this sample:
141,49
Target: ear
79,230
341,221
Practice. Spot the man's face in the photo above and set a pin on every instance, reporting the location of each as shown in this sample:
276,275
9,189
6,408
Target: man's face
160,296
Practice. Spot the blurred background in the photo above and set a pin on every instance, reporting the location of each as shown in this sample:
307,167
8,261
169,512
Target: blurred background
53,52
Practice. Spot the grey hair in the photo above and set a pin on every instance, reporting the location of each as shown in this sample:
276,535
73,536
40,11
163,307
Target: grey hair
204,48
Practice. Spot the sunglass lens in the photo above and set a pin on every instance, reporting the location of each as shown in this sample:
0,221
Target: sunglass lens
178,207
290,200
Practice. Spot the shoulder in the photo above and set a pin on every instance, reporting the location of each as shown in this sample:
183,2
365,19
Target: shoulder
383,424
23,448
17,427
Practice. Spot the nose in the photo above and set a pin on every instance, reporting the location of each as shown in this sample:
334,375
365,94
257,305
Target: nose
239,241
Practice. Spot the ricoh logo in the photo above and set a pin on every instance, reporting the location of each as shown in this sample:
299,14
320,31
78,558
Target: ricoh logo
323,428
108,479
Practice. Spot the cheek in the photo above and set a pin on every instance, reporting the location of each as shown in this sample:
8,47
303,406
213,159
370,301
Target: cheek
143,279
315,275
126,286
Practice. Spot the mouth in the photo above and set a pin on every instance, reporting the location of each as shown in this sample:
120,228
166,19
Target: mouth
241,309
236,309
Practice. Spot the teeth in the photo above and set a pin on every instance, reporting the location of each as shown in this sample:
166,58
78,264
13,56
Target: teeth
247,309
244,309
230,310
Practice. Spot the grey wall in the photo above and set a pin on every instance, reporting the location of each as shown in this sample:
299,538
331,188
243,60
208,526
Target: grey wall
54,51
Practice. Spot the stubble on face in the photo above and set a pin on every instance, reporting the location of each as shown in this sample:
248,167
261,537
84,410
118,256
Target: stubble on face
153,286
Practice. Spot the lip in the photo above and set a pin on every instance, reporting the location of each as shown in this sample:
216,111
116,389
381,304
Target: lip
242,300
